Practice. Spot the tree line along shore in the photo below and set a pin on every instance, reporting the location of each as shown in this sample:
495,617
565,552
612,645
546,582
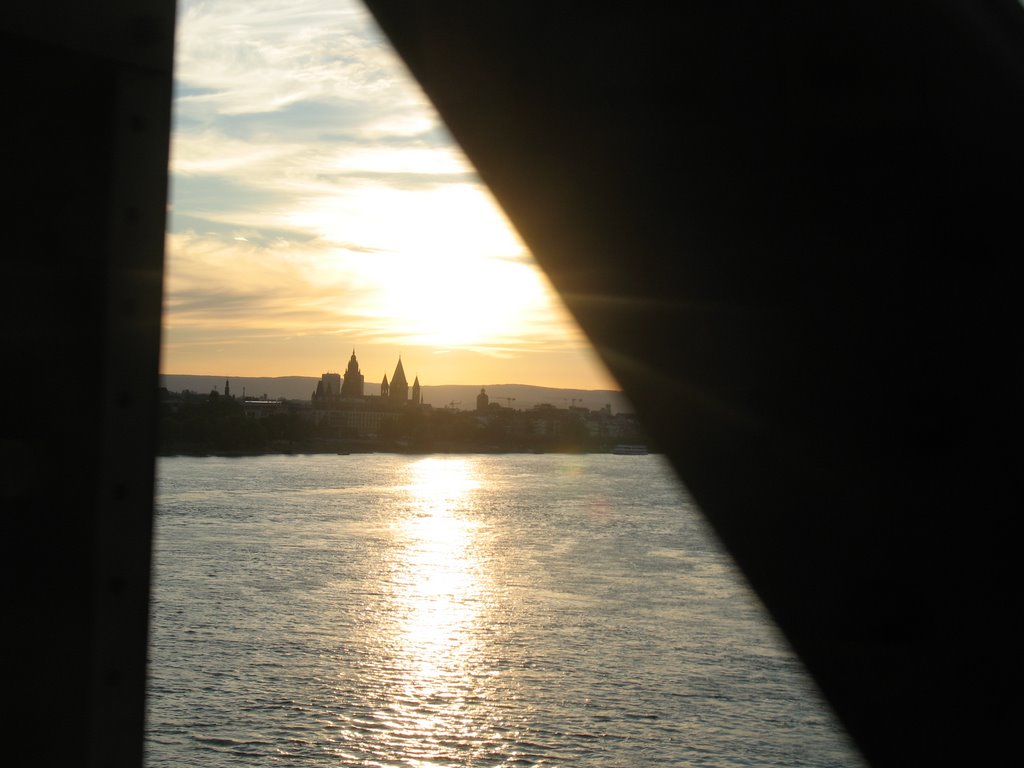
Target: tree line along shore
217,424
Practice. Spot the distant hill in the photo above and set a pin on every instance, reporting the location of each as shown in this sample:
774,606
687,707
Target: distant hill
523,396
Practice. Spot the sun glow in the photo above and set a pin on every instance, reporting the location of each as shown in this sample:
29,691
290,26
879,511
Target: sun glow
439,582
475,304
442,265
318,203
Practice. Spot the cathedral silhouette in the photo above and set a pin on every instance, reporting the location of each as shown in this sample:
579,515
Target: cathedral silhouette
333,389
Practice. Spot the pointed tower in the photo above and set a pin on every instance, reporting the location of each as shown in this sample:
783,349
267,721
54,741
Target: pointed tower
416,391
482,400
353,386
385,390
399,385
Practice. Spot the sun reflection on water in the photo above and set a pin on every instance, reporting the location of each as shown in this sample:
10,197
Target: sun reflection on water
440,590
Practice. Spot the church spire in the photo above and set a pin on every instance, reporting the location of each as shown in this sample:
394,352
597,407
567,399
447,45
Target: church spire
399,377
399,393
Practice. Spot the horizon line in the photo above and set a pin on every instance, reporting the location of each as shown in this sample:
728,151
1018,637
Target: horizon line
425,386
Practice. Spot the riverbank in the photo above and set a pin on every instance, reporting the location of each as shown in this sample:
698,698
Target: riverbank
345,447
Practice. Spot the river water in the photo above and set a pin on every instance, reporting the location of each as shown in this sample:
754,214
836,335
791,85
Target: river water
497,610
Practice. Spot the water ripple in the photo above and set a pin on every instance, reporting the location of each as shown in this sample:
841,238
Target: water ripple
459,611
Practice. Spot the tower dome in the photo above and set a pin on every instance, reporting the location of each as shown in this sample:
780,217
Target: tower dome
353,386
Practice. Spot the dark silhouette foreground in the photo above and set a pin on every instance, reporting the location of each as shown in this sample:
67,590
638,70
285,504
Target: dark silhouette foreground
787,227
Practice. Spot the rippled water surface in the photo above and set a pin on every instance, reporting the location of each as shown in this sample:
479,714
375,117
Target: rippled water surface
510,610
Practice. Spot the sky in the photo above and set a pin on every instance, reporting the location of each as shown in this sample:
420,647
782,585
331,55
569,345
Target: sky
319,206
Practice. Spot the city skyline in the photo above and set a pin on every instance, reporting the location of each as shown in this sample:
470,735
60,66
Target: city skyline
318,203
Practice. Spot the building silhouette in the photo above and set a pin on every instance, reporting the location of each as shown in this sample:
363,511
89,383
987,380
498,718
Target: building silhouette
332,388
482,400
353,386
328,388
398,392
344,403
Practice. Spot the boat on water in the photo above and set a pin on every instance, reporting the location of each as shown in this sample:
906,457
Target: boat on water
630,450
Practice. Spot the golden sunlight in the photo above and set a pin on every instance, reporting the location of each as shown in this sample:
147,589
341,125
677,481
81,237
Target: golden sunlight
440,483
477,303
439,571
439,582
318,204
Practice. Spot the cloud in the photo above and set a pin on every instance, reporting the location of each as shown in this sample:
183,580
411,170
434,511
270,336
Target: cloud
281,109
308,59
316,195
220,282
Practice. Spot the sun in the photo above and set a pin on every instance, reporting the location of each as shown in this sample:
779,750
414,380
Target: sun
317,196
446,269
479,303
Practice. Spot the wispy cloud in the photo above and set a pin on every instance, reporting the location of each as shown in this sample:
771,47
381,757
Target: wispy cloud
315,193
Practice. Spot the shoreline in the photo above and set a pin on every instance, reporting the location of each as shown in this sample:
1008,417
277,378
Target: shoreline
404,450
389,451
